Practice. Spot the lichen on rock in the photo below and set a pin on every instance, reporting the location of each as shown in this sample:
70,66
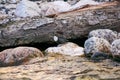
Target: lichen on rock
107,34
95,44
18,55
69,48
115,49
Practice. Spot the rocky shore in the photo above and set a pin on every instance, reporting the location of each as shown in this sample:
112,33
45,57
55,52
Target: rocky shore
15,31
67,68
45,23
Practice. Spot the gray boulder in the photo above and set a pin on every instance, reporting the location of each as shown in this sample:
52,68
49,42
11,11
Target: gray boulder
107,34
115,49
95,44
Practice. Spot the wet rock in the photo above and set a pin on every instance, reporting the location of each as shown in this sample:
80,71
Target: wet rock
69,48
107,34
115,49
19,55
27,9
95,44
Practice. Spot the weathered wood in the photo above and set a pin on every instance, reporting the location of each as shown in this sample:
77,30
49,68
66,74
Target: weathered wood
70,25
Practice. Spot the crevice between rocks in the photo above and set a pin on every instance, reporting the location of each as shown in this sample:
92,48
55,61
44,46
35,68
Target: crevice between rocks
45,45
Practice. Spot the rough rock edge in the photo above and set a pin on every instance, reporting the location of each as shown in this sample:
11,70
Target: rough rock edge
64,25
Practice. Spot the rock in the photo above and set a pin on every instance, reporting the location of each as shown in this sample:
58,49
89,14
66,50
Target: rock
95,44
27,9
97,56
18,55
3,18
72,2
115,49
107,34
83,3
69,48
104,0
9,1
8,9
66,26
51,8
66,69
118,35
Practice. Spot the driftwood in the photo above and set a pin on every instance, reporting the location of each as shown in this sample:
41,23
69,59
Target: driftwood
69,25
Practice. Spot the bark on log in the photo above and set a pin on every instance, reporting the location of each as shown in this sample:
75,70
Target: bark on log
70,25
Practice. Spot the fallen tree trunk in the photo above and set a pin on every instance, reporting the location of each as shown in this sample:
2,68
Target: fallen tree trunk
70,25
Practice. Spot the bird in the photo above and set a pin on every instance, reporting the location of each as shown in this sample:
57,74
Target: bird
60,40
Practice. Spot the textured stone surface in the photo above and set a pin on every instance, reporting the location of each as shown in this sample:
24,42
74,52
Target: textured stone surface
70,25
19,55
83,3
95,44
9,1
115,49
107,34
69,48
27,8
55,7
69,68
